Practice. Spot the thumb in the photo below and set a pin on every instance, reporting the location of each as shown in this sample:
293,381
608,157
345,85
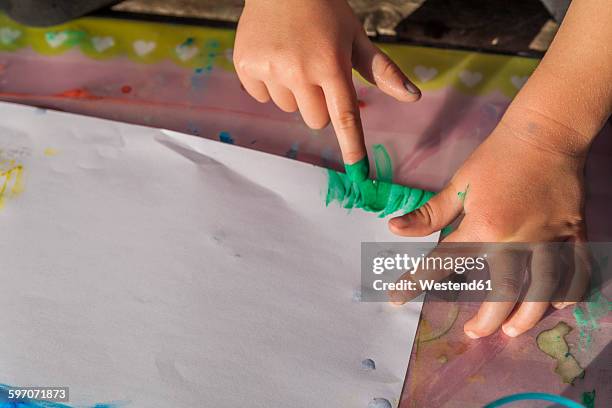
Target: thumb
435,214
376,67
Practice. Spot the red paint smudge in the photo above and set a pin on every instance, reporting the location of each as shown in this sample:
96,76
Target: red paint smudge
126,89
361,104
77,94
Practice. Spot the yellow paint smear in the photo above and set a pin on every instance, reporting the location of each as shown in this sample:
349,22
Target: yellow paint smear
11,182
49,151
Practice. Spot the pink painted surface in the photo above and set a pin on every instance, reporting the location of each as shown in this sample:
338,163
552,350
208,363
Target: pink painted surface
427,142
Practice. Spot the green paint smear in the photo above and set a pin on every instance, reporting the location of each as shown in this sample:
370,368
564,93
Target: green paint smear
588,315
355,190
384,167
463,194
588,399
447,230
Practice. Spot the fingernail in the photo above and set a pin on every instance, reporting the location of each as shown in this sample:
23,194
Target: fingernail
410,87
399,222
510,331
471,335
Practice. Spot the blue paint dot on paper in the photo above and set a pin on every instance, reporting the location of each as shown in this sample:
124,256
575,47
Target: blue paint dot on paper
198,70
368,364
357,295
380,403
293,151
193,129
225,137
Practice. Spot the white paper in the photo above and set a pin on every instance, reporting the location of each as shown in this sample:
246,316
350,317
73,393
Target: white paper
163,270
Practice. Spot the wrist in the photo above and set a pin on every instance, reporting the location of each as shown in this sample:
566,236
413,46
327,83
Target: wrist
545,132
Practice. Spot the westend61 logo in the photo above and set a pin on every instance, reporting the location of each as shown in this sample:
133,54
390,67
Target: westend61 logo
407,263
429,270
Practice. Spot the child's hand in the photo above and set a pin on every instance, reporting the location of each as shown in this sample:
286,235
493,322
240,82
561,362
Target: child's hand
523,184
300,53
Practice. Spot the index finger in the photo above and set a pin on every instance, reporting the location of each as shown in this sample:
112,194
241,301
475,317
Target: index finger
341,101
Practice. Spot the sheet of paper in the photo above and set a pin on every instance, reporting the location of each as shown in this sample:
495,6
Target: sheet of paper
156,269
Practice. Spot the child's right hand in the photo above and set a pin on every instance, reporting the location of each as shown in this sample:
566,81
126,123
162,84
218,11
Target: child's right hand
300,53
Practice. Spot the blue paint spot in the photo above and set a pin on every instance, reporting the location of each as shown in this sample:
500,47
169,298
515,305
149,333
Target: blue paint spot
225,137
198,70
193,129
380,403
293,151
328,156
187,42
368,364
197,81
357,296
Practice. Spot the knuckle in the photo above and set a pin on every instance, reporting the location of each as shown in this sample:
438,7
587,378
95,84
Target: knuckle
428,215
386,67
348,120
507,286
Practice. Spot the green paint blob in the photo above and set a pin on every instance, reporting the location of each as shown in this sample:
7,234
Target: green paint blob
384,167
355,190
588,399
374,196
588,315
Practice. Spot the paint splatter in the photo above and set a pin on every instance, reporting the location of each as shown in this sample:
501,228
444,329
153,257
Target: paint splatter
380,403
476,378
126,89
193,129
78,94
382,161
588,399
463,194
49,151
594,309
11,181
327,156
356,295
553,343
225,137
354,189
368,364
447,230
293,151
189,41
